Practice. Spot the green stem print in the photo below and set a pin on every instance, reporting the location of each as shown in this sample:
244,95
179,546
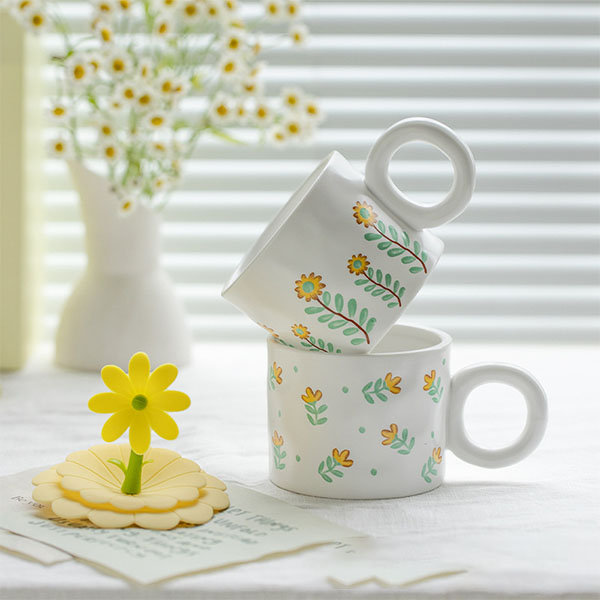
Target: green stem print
433,386
402,444
310,288
310,342
364,215
275,375
429,469
331,465
377,284
278,453
313,409
379,388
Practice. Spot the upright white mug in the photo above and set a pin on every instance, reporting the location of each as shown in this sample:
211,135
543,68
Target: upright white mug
345,256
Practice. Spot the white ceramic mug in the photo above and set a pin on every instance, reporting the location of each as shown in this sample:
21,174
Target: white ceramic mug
379,425
347,253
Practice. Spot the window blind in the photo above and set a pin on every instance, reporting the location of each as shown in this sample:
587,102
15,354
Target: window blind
518,81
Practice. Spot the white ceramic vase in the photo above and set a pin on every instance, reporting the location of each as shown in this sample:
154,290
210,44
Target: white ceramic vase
124,301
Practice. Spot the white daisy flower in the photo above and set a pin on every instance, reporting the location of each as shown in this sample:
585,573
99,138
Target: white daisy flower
168,5
145,98
59,147
294,127
20,7
274,9
262,113
105,130
105,8
234,40
103,30
251,86
276,136
160,184
78,69
166,82
180,87
292,9
34,20
59,112
156,120
124,5
240,112
95,61
110,151
119,64
164,26
145,68
127,205
231,5
312,110
127,92
221,109
192,11
215,10
292,98
298,33
115,105
231,66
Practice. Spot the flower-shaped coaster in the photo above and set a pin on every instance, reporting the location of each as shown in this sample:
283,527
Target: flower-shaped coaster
88,486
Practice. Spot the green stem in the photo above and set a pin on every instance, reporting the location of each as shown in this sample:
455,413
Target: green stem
132,483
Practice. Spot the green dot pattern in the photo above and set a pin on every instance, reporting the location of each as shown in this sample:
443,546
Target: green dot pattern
361,429
295,369
298,458
345,389
373,472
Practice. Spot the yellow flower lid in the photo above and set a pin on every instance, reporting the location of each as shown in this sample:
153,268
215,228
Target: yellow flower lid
88,486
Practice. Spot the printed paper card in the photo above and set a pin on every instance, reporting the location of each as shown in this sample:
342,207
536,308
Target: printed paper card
253,527
32,549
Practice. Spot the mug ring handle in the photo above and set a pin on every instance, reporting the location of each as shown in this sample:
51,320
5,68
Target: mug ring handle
378,181
464,382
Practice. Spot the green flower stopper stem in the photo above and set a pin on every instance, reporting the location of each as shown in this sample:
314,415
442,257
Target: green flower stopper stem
133,476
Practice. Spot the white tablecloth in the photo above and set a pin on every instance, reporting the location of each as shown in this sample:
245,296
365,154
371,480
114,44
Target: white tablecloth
527,530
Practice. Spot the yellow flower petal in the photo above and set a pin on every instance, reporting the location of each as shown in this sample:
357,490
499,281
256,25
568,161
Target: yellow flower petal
139,432
139,371
171,400
116,380
107,402
161,378
163,424
117,424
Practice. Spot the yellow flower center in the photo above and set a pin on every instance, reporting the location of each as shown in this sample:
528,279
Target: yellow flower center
118,65
222,110
106,129
78,72
293,128
105,33
157,121
234,43
110,152
139,402
190,10
59,146
59,111
37,20
229,67
144,99
261,113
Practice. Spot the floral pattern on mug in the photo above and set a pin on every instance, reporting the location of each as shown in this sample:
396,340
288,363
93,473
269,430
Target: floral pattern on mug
330,466
402,443
275,336
433,386
364,215
429,468
308,341
341,315
278,453
375,282
275,375
314,413
379,387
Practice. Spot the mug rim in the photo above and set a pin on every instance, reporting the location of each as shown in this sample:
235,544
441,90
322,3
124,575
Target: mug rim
315,176
444,340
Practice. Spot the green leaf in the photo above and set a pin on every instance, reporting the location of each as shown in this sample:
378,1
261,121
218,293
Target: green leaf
404,434
321,421
392,304
370,237
351,307
329,347
393,233
401,292
326,317
320,343
370,272
388,280
321,466
310,419
370,287
377,292
396,286
321,409
387,297
424,255
281,467
361,281
381,226
337,324
358,341
350,331
378,276
370,324
393,252
337,473
364,313
408,259
330,462
406,238
367,386
283,454
417,247
411,443
118,463
326,478
415,269
384,245
404,451
326,298
382,397
313,310
378,384
339,302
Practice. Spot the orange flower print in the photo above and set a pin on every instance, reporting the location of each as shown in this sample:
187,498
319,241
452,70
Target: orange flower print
275,375
309,287
358,264
392,383
342,457
429,380
437,455
364,214
433,386
277,439
429,469
311,396
300,331
389,434
269,330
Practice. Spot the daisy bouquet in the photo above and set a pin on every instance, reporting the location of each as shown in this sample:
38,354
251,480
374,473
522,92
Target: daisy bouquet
142,80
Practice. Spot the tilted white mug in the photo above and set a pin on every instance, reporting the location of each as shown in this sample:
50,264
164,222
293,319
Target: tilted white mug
379,425
347,253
